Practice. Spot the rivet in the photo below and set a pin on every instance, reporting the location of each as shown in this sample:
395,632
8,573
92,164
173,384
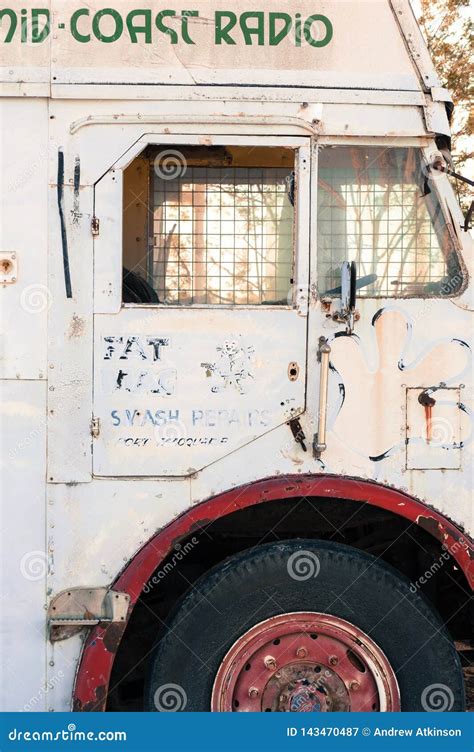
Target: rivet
253,692
333,660
301,652
354,685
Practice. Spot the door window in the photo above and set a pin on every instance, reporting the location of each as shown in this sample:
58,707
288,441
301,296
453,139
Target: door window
220,226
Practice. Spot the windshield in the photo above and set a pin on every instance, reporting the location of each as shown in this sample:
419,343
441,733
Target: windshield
372,210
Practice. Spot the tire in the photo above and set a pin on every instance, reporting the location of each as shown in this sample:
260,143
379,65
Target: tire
350,585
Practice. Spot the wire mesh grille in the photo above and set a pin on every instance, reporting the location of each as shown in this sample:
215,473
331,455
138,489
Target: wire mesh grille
222,235
371,209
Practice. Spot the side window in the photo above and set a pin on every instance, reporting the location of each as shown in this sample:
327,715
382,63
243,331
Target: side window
372,210
219,226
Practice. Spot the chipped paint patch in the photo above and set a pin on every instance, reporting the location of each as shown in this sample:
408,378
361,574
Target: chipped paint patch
77,326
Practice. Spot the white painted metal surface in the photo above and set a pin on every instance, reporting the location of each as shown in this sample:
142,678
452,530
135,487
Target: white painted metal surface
211,45
91,503
25,548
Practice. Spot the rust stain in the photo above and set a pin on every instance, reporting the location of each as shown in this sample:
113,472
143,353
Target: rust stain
428,418
431,526
94,706
62,632
428,402
112,636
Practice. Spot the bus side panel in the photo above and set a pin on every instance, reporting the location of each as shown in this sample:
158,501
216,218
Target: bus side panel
24,545
23,221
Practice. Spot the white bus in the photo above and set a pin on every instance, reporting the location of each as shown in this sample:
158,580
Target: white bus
236,363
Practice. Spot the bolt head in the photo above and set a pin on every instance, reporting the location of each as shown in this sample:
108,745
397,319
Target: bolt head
354,686
253,692
333,660
301,652
270,662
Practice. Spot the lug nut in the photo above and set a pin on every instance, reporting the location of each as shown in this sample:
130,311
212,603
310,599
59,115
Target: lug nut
253,692
270,662
301,652
333,660
354,685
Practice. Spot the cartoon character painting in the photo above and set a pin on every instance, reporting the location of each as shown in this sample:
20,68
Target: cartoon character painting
232,368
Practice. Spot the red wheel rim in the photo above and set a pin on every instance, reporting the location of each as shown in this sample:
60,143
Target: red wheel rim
305,662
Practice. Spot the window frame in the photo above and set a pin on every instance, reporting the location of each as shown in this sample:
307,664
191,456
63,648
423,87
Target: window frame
441,187
301,145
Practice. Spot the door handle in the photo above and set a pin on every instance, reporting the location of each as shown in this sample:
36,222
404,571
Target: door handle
319,441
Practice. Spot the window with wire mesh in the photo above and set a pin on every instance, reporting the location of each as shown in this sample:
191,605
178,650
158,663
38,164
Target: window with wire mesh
222,233
376,207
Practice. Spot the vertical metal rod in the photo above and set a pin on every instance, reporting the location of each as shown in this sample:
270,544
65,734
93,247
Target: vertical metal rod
62,220
319,443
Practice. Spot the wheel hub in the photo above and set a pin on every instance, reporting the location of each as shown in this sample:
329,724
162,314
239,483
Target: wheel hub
305,662
303,687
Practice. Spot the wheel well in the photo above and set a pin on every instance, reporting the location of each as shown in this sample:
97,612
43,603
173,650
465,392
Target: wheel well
396,540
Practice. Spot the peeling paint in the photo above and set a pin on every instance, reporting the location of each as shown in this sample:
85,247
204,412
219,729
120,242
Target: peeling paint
77,326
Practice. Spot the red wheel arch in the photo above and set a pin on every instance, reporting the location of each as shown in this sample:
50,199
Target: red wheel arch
100,648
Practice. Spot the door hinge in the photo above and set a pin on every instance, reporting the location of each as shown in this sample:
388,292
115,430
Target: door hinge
95,226
95,427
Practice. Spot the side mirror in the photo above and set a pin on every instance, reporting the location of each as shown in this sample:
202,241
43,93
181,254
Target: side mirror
348,286
348,291
348,294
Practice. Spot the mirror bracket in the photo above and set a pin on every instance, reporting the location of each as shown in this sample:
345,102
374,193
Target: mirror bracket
348,314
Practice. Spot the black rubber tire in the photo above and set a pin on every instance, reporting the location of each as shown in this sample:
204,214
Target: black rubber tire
254,585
